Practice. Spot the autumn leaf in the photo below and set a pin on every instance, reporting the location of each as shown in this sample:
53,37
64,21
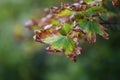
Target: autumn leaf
66,28
61,43
95,10
65,12
91,28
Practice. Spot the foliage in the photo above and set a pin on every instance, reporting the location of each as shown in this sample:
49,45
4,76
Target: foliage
63,28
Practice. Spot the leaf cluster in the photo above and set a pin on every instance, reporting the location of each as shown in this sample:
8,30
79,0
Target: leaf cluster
63,28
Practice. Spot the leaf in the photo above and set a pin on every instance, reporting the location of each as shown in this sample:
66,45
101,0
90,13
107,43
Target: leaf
57,41
55,22
65,12
51,39
94,10
64,44
103,17
61,43
66,28
91,0
42,35
79,16
91,28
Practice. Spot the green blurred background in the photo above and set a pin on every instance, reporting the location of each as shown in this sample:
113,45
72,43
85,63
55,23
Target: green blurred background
21,58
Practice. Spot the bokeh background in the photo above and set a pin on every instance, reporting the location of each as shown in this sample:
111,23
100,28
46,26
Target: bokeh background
21,58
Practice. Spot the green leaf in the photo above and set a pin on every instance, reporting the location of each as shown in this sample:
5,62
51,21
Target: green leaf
55,22
66,28
91,1
94,10
61,43
90,26
65,12
103,17
79,16
50,40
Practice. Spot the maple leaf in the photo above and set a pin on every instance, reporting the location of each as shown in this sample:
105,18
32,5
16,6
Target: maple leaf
63,44
95,11
57,42
91,28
